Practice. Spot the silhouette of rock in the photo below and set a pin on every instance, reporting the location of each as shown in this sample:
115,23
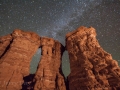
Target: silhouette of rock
92,68
49,74
15,63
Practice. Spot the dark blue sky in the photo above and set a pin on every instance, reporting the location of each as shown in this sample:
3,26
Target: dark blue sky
55,18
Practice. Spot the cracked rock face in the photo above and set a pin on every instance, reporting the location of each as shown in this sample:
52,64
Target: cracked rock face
49,74
92,68
15,63
4,43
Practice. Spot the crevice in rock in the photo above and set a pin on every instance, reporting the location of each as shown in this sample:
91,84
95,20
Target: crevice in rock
9,80
56,81
7,48
67,83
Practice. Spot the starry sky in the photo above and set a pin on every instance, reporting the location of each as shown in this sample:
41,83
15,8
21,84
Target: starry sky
55,18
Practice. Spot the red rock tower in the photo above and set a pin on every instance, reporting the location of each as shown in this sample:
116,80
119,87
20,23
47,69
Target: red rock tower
92,68
49,75
15,63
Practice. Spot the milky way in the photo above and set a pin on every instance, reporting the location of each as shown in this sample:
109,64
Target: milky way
55,18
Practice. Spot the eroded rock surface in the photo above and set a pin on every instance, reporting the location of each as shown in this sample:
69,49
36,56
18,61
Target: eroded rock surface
49,75
15,63
92,68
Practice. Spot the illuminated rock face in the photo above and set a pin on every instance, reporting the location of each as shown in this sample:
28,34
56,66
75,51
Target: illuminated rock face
49,73
15,63
91,67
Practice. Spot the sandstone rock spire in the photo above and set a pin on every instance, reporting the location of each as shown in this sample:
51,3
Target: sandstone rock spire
15,63
49,74
92,68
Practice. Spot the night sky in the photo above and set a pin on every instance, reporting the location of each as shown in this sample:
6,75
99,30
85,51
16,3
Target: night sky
55,18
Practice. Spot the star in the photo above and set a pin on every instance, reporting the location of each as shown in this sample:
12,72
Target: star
55,18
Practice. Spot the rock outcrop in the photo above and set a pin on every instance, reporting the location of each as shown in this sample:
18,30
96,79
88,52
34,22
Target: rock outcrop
15,63
92,68
49,73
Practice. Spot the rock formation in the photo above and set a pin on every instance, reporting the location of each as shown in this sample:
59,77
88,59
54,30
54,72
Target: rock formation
92,68
49,75
16,51
15,63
